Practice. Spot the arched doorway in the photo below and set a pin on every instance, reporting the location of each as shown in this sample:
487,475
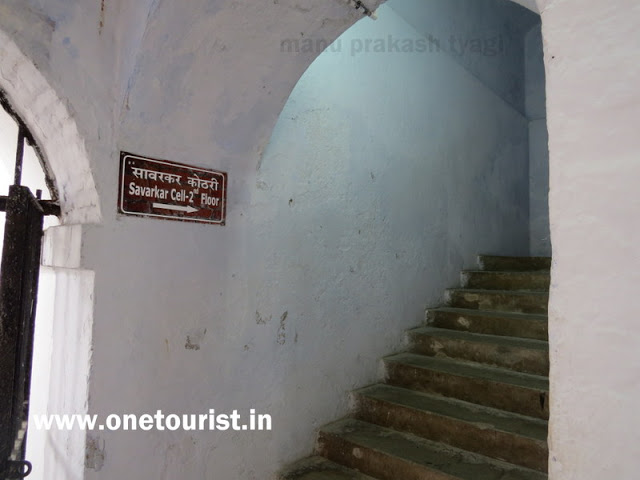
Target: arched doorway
63,332
29,205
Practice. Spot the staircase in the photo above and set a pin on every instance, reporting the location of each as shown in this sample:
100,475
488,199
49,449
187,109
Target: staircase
467,401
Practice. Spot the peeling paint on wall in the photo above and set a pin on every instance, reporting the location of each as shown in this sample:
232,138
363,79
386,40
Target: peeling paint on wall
94,453
101,22
262,320
194,339
282,336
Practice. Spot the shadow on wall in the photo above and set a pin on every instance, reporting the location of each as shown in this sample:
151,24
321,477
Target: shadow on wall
540,236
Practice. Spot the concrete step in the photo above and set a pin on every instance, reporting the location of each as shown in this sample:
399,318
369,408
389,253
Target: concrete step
494,262
502,435
519,354
491,323
318,468
390,455
516,392
498,300
534,281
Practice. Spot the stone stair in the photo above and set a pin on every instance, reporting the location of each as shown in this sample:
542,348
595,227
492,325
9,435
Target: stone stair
467,401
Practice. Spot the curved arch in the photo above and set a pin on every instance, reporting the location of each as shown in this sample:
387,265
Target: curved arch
287,77
55,131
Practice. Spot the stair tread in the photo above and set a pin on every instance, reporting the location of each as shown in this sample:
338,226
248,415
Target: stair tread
516,257
508,272
492,313
487,417
498,300
481,337
471,370
521,280
495,263
484,291
319,468
427,454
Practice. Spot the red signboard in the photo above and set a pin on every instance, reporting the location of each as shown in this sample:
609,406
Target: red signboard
170,190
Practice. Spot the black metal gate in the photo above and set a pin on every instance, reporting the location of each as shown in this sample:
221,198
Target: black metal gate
18,292
19,272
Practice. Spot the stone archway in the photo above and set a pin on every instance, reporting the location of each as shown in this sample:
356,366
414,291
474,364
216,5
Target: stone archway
55,131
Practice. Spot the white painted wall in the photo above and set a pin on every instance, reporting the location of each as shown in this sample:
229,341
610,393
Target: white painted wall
593,105
91,56
319,269
62,453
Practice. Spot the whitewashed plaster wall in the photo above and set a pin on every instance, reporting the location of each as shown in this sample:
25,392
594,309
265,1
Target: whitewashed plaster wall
283,322
592,105
90,54
95,55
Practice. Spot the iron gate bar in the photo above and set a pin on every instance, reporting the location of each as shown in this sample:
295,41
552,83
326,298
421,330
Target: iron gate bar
17,175
18,292
6,104
18,470
49,207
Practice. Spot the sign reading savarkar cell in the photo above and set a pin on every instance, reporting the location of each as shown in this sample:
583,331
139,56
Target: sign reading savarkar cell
170,190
